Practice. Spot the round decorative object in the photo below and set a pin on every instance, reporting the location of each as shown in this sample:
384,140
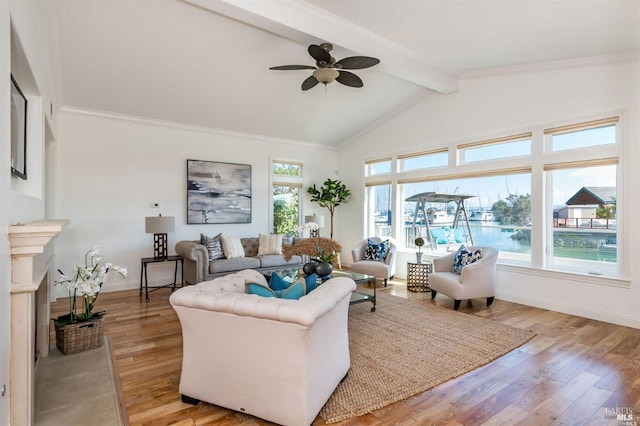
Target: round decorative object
309,268
324,269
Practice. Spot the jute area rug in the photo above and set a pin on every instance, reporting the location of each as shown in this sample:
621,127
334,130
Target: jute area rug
408,346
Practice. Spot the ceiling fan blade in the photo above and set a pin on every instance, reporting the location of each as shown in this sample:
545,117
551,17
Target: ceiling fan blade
357,62
309,83
349,79
319,54
293,67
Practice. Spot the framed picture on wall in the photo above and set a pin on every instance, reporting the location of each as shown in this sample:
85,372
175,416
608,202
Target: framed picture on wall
18,131
218,192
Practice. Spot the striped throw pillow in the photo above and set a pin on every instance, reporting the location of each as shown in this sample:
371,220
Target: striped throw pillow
213,245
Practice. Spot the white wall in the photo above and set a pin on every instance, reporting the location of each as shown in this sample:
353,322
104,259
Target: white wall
502,104
110,170
19,202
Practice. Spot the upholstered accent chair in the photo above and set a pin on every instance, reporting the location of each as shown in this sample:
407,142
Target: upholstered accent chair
476,280
270,357
381,268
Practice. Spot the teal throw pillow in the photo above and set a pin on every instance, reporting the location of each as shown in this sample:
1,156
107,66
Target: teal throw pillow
276,282
260,290
311,282
294,292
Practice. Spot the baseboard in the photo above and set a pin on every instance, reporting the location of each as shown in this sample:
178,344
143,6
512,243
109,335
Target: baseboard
595,314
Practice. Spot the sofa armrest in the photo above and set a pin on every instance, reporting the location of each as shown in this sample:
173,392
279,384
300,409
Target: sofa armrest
357,253
196,260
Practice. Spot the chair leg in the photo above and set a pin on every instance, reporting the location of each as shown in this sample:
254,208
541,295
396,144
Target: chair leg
489,301
433,294
385,282
456,305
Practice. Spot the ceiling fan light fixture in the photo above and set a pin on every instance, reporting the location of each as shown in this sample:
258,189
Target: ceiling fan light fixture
325,75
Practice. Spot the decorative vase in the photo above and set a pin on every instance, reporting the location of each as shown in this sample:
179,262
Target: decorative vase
324,269
78,337
419,257
309,268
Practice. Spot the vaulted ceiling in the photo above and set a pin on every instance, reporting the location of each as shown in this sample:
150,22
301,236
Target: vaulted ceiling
206,62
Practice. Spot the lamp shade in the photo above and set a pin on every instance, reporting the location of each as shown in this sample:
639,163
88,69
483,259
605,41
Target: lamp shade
318,220
159,224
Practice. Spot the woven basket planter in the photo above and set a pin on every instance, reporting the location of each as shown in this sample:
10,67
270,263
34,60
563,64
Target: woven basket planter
73,338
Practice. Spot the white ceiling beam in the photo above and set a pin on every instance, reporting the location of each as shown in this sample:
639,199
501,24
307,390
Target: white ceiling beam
305,23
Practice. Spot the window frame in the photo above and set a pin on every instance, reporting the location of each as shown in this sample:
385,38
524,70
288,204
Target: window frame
541,156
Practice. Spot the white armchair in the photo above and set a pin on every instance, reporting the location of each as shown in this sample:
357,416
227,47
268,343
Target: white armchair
380,269
476,280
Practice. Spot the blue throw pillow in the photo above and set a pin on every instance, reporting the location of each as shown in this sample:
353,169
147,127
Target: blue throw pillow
376,251
311,282
464,257
276,282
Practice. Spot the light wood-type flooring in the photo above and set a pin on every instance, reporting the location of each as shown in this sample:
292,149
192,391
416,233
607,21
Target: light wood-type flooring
575,371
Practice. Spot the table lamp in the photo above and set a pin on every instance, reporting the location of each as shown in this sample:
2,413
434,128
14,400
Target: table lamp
159,226
318,220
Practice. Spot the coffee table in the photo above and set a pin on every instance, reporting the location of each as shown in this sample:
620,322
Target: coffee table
359,296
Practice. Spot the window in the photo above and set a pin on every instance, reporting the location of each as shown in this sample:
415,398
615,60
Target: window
555,204
286,183
506,147
584,197
281,168
423,160
286,209
498,208
590,134
376,167
379,214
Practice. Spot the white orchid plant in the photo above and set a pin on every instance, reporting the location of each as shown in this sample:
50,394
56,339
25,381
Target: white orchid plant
306,228
86,283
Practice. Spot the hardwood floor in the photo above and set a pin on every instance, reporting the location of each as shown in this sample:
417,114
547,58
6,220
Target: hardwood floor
575,371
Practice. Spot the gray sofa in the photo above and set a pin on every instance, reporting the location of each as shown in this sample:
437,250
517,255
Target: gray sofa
198,268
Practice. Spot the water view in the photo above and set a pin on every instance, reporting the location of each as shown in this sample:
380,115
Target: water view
592,244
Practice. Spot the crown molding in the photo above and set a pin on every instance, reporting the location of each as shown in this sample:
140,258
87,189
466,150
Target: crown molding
615,58
192,127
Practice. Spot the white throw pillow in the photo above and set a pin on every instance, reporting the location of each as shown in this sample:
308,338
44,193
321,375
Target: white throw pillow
269,244
232,247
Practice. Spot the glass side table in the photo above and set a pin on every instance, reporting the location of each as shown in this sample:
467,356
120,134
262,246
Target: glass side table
418,276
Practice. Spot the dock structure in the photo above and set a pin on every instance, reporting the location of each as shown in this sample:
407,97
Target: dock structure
422,201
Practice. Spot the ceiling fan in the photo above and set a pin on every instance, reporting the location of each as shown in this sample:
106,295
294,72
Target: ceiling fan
327,69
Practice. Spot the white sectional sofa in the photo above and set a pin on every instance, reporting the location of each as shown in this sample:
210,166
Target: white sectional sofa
276,359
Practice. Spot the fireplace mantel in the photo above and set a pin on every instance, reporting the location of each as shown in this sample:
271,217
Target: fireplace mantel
31,257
